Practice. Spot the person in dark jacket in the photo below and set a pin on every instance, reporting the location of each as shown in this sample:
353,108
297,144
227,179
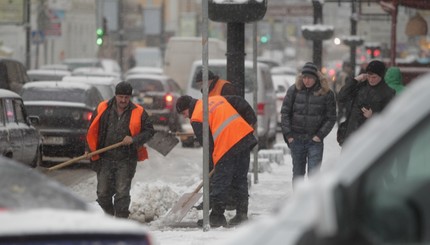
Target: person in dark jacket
231,140
113,121
368,94
216,85
308,114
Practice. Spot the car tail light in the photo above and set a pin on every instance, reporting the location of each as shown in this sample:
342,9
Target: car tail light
168,99
88,116
260,108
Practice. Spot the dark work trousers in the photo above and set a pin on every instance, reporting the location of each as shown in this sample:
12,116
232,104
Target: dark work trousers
306,152
230,178
113,184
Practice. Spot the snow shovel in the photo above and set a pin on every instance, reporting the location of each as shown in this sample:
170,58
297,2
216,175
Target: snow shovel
164,142
83,157
184,204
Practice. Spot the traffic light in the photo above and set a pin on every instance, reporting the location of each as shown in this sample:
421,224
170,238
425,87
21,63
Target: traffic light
373,52
100,34
264,39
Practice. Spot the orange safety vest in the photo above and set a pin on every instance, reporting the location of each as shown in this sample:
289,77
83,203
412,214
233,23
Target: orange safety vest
218,87
225,123
135,126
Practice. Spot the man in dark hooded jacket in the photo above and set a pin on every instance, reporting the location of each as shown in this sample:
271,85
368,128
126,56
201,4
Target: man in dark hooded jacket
368,94
308,114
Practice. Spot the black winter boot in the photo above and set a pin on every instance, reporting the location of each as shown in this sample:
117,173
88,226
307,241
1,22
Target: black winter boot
216,217
241,214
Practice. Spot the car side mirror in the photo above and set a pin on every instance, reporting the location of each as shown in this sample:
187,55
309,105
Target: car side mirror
33,120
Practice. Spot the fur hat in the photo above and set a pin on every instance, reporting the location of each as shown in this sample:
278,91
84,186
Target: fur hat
310,69
377,67
123,88
183,103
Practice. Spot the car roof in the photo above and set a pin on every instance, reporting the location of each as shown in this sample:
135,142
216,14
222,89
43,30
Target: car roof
92,79
56,84
4,93
48,72
148,76
212,62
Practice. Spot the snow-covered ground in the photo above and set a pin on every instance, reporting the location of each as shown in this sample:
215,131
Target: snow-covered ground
160,181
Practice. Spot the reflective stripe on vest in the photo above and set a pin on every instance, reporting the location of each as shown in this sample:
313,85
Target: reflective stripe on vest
225,123
134,126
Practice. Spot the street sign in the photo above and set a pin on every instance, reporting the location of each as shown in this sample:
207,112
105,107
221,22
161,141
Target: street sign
37,37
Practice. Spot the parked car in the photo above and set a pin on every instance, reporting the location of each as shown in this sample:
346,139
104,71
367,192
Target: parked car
37,210
105,85
13,75
378,192
283,77
266,104
20,140
47,75
65,110
158,95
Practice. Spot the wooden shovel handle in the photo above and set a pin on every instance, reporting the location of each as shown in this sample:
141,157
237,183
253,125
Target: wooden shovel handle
85,156
198,188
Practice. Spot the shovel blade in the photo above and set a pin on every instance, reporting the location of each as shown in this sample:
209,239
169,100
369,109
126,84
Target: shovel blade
181,208
163,142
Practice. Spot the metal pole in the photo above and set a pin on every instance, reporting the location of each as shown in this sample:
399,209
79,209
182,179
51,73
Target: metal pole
394,13
121,34
254,75
28,35
205,51
352,54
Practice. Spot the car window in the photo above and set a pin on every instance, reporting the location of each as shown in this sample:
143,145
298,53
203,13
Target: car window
2,119
174,86
19,111
146,85
386,187
93,97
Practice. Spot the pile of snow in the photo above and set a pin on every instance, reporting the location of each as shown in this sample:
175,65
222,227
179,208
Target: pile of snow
151,201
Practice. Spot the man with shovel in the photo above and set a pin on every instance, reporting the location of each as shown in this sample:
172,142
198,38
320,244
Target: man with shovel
118,120
231,140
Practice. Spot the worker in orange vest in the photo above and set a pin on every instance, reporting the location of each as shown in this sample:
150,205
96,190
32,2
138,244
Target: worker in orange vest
216,85
231,140
113,121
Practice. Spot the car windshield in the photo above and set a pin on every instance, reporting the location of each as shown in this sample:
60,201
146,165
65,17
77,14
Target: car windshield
54,94
146,85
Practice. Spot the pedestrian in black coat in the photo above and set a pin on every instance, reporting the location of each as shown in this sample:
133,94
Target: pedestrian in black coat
368,94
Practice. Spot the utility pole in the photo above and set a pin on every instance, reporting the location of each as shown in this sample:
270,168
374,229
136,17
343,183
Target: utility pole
28,35
120,43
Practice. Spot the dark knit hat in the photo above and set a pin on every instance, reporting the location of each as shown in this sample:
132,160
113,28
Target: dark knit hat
199,76
123,88
377,67
183,103
310,69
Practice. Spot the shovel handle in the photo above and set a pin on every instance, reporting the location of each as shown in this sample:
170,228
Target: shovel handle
85,156
198,188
